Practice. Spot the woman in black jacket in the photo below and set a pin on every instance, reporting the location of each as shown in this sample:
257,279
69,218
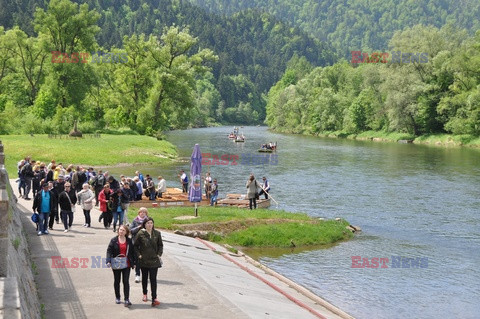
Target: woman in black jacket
119,201
149,249
121,245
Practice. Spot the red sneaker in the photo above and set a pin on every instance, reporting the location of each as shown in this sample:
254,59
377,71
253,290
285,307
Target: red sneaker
145,299
155,303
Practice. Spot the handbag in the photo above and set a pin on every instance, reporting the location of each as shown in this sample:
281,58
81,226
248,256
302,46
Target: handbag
35,218
120,262
257,196
71,205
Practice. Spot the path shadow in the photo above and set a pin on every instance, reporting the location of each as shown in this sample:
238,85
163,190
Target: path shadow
178,305
163,305
50,295
169,283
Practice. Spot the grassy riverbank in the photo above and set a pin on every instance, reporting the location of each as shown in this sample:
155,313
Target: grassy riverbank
107,150
252,228
432,139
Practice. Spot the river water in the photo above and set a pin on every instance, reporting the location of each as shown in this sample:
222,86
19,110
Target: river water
410,201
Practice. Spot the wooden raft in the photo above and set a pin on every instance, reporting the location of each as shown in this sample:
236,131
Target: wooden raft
175,197
241,201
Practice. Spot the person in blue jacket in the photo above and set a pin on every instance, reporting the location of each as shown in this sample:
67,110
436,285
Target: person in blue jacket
43,203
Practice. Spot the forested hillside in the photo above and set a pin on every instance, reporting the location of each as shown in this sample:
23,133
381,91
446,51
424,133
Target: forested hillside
441,94
358,24
253,49
214,61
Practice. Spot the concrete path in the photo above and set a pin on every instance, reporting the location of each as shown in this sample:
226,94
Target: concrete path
195,281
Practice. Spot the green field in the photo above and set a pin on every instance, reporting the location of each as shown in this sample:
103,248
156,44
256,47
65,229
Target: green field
252,228
107,150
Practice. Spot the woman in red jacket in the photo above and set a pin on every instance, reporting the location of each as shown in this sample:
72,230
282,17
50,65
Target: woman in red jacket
104,198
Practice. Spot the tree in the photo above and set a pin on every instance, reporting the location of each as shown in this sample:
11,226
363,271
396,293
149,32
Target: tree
30,57
172,95
69,29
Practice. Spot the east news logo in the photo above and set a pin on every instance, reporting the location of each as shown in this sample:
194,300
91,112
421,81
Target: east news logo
397,57
396,262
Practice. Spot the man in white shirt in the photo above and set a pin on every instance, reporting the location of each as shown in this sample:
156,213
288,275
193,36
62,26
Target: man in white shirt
265,188
184,181
162,186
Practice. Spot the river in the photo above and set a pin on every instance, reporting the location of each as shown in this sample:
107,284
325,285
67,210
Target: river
410,201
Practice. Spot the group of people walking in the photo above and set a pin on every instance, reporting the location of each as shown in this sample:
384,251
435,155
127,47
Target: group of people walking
59,195
138,247
142,252
57,190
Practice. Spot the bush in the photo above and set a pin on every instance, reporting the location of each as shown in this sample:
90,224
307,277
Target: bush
87,127
119,131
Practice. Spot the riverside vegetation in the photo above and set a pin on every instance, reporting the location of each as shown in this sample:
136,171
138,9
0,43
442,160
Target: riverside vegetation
413,99
430,139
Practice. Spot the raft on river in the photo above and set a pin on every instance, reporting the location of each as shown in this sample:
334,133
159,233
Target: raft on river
241,201
174,197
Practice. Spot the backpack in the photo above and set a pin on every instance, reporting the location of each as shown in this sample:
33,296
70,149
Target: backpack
27,170
134,188
99,181
82,178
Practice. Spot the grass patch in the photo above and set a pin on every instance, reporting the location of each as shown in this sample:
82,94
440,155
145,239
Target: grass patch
42,311
164,217
16,243
449,140
252,228
107,150
34,269
291,234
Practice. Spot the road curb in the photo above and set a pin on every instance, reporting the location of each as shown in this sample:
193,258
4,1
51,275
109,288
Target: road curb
302,290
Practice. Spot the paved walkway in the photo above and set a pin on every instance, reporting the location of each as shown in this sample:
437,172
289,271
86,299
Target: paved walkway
195,281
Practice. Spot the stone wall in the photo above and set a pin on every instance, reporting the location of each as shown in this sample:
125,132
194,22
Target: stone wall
18,293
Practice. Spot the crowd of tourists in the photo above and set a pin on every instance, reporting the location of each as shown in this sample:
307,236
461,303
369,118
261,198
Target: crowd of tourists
56,190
